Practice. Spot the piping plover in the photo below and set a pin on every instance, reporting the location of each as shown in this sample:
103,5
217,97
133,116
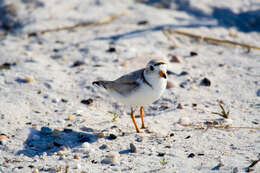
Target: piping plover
139,88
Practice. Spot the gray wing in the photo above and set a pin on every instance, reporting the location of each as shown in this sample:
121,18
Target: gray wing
127,83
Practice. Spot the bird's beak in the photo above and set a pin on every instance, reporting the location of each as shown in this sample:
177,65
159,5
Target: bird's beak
162,74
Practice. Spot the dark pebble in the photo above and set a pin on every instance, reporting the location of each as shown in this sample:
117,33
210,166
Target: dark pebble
87,102
112,136
133,148
66,130
94,161
172,134
102,147
32,34
161,154
191,155
31,166
139,138
46,130
111,50
200,154
55,50
77,63
193,53
20,167
179,106
205,82
142,22
6,66
194,104
183,84
64,100
188,137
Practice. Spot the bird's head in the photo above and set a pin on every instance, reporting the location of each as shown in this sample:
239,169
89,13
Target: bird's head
156,68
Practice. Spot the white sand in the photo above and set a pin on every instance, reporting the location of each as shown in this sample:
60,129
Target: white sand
170,147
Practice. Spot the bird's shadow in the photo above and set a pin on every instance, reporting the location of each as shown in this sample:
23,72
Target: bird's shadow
53,141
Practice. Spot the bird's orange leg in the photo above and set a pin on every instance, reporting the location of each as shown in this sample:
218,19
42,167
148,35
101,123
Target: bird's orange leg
142,116
133,118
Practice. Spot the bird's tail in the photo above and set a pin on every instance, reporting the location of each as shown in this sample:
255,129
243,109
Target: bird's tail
101,83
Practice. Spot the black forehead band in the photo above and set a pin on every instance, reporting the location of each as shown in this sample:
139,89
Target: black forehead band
159,63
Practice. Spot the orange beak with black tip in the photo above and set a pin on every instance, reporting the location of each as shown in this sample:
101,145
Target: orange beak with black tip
162,74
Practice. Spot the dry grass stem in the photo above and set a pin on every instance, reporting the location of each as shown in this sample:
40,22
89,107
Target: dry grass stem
212,40
82,24
223,113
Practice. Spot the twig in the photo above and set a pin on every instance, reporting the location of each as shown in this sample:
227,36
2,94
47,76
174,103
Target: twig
82,24
213,40
249,168
221,127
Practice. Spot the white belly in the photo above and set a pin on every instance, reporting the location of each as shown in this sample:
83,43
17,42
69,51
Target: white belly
144,95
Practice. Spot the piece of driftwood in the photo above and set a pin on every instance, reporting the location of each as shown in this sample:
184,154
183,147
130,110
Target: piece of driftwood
212,40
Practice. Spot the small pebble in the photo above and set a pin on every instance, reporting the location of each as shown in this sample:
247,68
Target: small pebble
191,155
46,130
192,53
184,121
142,22
64,100
205,82
184,84
160,154
87,102
111,50
179,106
3,141
132,148
28,79
112,136
70,117
111,158
170,85
85,145
101,135
194,104
55,100
187,137
76,156
78,63
35,171
139,138
102,147
175,59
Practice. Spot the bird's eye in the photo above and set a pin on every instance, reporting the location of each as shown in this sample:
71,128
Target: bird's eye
151,68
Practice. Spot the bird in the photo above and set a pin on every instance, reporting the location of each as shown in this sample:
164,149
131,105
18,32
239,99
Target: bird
138,88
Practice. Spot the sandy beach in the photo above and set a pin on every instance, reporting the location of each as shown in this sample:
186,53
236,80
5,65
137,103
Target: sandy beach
52,119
